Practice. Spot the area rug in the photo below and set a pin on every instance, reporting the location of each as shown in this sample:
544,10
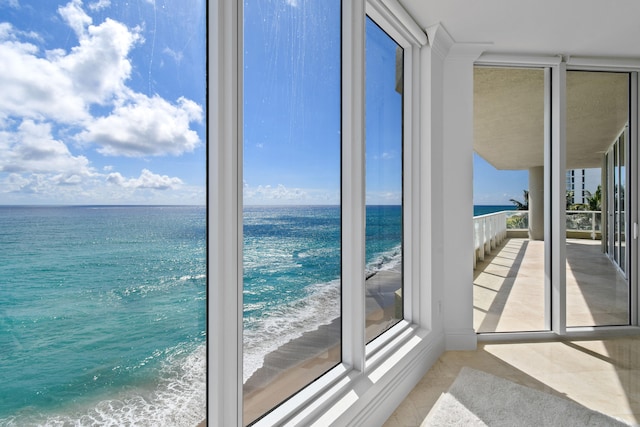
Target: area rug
480,399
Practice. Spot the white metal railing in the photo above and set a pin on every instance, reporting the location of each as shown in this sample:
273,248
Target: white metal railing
489,231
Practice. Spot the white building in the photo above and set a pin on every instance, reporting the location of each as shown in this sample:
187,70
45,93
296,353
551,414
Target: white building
583,182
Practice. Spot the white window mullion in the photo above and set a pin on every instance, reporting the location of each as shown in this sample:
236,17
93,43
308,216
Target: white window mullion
353,184
632,199
224,275
557,241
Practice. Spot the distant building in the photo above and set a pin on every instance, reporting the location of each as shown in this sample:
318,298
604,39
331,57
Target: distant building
583,182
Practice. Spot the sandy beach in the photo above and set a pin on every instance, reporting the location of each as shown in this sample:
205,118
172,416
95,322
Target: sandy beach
300,361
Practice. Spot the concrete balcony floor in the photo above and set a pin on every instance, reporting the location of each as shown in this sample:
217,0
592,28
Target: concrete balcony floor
509,294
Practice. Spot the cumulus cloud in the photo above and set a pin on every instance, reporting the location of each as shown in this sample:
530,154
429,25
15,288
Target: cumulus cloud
61,86
147,179
79,98
33,149
146,127
99,66
280,192
100,4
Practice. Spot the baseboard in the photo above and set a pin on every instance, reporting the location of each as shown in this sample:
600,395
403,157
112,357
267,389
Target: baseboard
461,339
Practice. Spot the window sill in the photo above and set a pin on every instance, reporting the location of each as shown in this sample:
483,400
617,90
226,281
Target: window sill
345,396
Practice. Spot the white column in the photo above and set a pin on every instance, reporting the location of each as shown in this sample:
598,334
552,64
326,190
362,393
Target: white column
452,184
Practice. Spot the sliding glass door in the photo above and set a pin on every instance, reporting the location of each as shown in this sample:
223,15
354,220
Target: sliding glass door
596,212
554,254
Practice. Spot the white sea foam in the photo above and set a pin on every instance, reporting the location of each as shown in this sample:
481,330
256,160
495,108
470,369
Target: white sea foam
288,322
385,261
291,321
179,399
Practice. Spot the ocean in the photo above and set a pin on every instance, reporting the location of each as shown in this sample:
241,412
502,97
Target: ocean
487,209
102,315
292,265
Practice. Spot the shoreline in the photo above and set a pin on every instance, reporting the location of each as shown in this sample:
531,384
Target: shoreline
284,372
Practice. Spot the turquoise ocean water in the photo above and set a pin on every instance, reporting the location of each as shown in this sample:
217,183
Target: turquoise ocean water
292,265
102,315
487,209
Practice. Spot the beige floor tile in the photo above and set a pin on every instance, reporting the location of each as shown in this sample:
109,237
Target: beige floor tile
603,375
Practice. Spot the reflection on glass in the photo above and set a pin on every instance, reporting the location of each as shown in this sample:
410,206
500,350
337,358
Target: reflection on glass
291,196
597,122
508,168
384,88
102,263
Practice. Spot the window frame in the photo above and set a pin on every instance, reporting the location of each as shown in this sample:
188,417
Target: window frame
382,367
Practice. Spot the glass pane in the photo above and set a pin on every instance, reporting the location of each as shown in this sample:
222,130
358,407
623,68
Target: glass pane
384,88
509,199
103,223
597,121
292,216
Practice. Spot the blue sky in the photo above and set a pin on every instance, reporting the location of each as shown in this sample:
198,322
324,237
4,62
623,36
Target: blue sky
292,111
103,102
496,187
292,106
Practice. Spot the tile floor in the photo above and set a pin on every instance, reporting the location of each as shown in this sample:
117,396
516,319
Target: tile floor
603,375
509,294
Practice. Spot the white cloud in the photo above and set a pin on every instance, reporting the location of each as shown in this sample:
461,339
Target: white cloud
10,3
146,127
61,86
32,149
47,100
292,3
77,19
99,66
281,194
147,179
177,56
100,4
34,87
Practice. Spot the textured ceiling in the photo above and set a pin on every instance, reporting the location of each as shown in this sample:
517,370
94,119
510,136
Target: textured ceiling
509,116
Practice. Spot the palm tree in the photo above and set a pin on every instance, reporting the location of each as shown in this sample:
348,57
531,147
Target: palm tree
522,206
594,202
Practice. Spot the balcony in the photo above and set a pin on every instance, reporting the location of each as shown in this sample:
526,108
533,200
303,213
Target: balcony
509,276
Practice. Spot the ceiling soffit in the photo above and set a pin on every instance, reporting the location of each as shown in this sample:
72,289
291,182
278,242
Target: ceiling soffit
509,116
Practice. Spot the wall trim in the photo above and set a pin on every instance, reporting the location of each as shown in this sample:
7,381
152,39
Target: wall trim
461,339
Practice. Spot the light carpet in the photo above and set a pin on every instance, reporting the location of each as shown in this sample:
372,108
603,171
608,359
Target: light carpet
480,399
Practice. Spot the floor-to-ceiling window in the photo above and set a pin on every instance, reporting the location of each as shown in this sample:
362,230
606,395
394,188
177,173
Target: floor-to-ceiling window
295,279
103,217
384,213
291,198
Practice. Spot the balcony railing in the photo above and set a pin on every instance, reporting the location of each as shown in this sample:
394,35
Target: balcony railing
491,229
